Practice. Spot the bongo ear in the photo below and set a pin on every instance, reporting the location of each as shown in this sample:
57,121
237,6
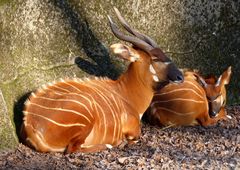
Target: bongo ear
124,52
225,77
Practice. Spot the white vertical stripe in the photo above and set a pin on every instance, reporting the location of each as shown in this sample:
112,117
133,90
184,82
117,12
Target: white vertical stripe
77,94
41,140
114,119
56,123
64,110
177,113
179,99
199,89
67,100
104,122
56,86
102,95
178,90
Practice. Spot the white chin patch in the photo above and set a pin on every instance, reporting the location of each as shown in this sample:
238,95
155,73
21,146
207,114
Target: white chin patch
152,70
167,63
155,78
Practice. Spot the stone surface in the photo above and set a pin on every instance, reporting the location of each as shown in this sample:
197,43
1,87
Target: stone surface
42,41
7,131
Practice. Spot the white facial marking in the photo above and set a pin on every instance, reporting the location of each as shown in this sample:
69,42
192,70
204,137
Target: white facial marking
229,117
155,78
167,62
152,70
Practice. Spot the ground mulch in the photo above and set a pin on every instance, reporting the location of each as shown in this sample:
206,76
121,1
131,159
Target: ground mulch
216,147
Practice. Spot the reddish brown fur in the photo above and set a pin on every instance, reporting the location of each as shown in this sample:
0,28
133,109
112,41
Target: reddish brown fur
91,115
110,110
191,106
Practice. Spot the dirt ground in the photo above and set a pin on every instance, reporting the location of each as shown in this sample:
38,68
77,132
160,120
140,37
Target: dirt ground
216,147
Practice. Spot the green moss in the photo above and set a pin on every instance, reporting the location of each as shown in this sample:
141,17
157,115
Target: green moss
4,2
7,141
8,138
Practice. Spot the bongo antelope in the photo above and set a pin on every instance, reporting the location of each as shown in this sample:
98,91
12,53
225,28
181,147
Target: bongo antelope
193,102
97,113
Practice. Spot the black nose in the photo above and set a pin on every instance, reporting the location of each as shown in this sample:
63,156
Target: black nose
213,114
179,78
176,78
174,74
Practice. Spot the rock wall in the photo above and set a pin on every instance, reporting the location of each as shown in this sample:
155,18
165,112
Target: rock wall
42,41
